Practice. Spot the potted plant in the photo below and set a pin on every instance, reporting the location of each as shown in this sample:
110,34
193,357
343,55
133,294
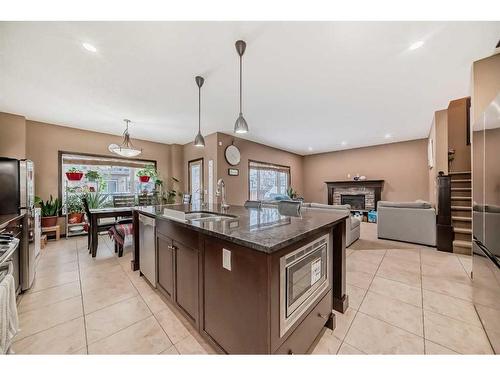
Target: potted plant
74,206
50,210
95,200
92,176
146,173
74,174
169,195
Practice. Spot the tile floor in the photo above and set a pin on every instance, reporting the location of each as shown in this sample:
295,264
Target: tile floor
402,301
80,305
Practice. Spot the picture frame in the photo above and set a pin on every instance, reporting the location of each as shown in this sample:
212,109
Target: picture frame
233,172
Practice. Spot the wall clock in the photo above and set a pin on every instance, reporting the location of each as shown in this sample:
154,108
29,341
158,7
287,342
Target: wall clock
232,155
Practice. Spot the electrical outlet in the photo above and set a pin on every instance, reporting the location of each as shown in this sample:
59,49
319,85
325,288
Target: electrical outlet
226,259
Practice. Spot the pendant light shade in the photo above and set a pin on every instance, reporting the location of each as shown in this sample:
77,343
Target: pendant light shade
240,126
126,149
199,141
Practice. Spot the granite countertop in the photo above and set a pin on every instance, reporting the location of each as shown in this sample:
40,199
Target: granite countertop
6,219
264,229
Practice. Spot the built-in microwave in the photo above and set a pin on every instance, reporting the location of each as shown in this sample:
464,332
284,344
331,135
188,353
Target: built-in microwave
304,276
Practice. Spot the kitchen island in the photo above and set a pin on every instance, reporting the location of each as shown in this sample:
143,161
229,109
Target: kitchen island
250,280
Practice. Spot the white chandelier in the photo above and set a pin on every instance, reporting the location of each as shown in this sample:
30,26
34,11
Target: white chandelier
126,149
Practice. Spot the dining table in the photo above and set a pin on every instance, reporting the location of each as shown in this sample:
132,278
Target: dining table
100,213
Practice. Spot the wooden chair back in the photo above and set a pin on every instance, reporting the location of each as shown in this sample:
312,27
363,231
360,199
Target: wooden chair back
123,200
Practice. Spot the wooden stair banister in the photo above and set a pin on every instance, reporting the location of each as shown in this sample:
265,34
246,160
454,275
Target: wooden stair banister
445,234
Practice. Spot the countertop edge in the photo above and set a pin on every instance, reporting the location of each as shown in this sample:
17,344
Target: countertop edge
241,242
8,218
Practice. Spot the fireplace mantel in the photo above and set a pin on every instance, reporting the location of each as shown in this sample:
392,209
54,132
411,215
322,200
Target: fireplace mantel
375,186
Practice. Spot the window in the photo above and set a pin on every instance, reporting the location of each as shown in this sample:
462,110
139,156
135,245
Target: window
116,176
266,181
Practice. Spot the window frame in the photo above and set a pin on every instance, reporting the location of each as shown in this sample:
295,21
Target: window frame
277,166
60,154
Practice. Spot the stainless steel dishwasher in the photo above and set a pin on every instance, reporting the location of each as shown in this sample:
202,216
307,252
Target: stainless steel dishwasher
147,248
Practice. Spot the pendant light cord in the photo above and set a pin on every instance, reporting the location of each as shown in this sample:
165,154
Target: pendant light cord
240,84
199,109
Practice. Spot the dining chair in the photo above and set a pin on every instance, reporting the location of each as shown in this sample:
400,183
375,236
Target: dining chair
123,200
145,200
100,226
289,208
253,204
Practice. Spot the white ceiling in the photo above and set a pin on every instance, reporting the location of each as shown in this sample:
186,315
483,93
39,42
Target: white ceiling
308,86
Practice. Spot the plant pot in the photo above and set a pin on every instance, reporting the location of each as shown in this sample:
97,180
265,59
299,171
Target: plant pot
49,221
75,217
74,176
144,178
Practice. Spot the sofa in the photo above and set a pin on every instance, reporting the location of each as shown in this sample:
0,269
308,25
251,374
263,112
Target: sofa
413,222
353,224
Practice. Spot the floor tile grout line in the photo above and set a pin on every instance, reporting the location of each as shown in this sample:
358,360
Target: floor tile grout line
422,298
149,308
361,303
48,328
81,294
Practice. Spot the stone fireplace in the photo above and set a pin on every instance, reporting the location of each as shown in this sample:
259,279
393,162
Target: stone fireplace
360,195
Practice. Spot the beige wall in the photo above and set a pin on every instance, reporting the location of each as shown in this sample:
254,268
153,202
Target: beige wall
12,136
43,141
439,135
486,83
237,186
457,135
402,165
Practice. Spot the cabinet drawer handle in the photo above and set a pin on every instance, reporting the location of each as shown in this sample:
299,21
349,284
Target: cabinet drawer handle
170,247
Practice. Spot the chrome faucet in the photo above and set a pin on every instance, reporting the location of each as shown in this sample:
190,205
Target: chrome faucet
221,192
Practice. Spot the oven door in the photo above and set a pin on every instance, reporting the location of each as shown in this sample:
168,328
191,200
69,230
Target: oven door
304,276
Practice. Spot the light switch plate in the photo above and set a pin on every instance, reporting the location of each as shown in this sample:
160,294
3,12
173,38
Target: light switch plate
226,259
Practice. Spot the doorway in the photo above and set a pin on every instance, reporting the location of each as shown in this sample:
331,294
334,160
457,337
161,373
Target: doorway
195,178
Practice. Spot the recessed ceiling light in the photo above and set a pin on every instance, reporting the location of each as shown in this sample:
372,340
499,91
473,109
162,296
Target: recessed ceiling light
89,47
387,136
416,45
344,143
309,148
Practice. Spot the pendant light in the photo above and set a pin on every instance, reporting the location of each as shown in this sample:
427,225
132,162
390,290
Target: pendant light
199,141
240,126
126,149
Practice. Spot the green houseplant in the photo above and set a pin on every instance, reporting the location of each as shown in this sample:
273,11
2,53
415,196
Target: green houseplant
169,195
50,210
95,200
146,173
74,206
92,176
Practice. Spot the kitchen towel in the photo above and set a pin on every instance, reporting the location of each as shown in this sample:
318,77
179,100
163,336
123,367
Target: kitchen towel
9,321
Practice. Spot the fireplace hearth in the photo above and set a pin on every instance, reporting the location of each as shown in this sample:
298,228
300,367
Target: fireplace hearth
356,201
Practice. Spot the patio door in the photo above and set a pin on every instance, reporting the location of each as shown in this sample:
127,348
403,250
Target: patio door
195,173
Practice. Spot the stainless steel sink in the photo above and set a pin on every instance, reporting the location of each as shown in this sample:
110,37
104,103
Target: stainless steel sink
207,216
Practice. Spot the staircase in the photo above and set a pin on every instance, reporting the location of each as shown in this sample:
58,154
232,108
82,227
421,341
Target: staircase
461,211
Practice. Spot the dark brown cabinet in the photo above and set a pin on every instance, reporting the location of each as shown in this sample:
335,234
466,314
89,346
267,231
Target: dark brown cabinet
165,265
178,267
186,279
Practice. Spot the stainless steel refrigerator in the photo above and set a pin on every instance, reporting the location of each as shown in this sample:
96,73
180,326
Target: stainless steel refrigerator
486,220
17,196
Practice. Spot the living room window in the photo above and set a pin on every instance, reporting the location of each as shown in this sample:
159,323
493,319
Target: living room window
115,176
266,180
